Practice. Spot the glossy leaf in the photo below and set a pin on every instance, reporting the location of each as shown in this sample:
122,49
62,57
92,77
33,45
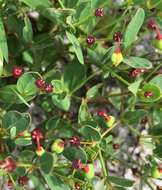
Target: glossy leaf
134,27
76,46
137,62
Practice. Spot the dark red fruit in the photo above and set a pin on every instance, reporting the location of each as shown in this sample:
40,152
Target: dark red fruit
10,164
48,88
151,24
75,141
77,186
40,83
37,134
99,12
23,180
17,72
90,40
148,94
116,146
117,36
136,72
77,164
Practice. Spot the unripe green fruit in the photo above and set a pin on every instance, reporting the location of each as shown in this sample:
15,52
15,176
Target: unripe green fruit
58,146
158,43
117,58
89,171
155,173
110,121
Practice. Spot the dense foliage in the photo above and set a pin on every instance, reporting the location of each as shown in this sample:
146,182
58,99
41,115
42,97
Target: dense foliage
80,94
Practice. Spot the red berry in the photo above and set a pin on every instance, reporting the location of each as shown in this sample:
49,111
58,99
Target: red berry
90,40
48,88
99,12
9,164
23,180
117,36
77,186
151,24
17,72
116,146
40,83
148,94
75,141
86,168
77,164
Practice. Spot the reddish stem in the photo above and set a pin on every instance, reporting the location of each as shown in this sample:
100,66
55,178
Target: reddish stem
118,46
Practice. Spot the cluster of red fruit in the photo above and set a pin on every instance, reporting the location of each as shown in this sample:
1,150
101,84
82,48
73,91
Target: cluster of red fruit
40,83
23,180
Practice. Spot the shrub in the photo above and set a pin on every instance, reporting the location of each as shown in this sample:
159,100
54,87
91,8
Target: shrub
80,94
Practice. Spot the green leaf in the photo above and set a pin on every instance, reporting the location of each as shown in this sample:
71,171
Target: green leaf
58,85
1,63
157,80
90,133
72,153
23,141
93,91
134,27
134,87
61,101
46,162
27,30
154,89
37,181
16,119
34,4
134,117
3,43
26,156
13,132
147,143
84,113
26,85
55,183
137,62
74,76
123,182
158,151
156,130
76,45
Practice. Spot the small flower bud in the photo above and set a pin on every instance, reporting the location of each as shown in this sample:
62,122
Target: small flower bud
75,141
99,12
90,40
77,164
17,72
148,94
